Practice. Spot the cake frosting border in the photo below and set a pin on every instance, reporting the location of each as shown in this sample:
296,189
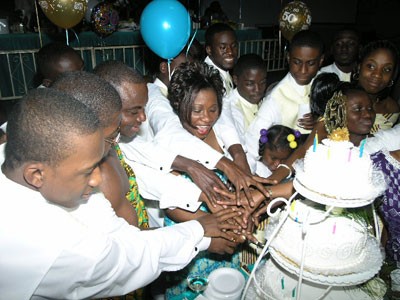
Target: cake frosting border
369,194
367,268
264,284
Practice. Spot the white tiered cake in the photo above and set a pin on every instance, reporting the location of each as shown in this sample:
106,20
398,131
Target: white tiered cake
278,284
321,251
339,250
337,173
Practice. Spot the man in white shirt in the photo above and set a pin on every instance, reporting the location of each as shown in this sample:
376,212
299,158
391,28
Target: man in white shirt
345,48
284,103
150,161
222,51
59,238
250,78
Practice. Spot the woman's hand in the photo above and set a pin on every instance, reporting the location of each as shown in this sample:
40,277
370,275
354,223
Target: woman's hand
209,183
241,181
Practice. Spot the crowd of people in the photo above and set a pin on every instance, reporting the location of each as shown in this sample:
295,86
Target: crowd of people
113,184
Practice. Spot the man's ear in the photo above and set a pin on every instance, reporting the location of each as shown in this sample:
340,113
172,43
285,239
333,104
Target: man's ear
321,60
208,50
33,174
288,58
235,79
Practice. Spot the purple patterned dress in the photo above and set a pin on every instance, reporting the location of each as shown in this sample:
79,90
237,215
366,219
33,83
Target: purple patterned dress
390,207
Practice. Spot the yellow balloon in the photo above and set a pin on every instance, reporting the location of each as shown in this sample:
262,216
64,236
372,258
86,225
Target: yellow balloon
293,18
64,13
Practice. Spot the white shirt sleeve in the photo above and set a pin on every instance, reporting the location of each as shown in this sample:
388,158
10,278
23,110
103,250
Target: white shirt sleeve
169,132
262,170
226,125
171,191
148,153
111,257
384,139
267,115
238,119
4,127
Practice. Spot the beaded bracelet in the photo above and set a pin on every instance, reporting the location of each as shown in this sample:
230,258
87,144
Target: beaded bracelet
286,167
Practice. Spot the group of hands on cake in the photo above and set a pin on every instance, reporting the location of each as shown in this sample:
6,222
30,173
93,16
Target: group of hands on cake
343,132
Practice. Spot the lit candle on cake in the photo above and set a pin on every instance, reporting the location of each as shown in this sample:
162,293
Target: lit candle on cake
362,147
329,153
349,157
315,142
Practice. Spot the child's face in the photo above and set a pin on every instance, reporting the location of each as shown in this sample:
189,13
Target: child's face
304,63
360,113
345,48
205,113
272,158
251,84
224,50
376,71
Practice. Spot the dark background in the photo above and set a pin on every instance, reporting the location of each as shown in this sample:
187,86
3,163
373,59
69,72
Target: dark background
372,17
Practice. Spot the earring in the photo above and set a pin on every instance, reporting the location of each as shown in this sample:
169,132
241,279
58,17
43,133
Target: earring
391,83
355,76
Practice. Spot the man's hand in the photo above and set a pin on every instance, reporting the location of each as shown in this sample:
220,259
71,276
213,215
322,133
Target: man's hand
222,246
216,225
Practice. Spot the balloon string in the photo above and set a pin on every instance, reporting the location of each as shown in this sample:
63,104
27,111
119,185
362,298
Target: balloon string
38,24
280,32
77,37
66,36
169,68
191,42
280,40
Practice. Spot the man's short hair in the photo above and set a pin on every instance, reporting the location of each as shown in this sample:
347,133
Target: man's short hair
41,126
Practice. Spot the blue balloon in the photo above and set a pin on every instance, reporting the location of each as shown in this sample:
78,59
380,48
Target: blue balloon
165,27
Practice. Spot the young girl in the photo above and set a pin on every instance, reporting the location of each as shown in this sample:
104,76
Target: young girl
275,145
377,70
